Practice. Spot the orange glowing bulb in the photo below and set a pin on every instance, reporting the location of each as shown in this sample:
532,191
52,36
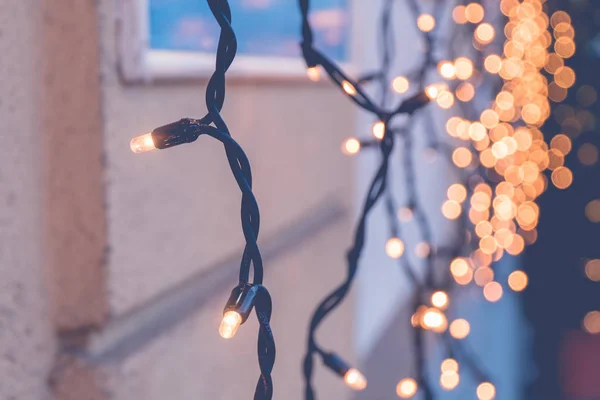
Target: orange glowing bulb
591,322
446,69
355,379
460,328
407,388
348,88
434,320
313,73
351,146
449,380
440,299
394,247
379,129
449,365
141,144
592,270
400,84
517,281
229,324
492,292
426,22
486,391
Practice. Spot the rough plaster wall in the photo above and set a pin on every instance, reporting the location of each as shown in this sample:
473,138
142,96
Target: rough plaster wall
73,169
73,183
52,231
26,342
172,213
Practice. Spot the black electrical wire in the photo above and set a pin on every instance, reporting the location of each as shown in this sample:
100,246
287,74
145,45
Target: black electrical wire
247,295
215,97
379,186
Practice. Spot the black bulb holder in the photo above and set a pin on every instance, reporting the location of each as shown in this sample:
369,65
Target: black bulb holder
336,364
241,300
183,131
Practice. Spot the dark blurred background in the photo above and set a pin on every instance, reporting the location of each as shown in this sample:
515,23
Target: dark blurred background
561,292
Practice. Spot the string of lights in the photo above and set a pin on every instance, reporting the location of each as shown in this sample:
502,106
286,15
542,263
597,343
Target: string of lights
504,157
432,318
353,89
247,295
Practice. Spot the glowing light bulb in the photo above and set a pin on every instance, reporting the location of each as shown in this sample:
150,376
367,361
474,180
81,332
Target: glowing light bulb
592,270
229,324
440,299
457,192
313,73
486,391
445,99
406,388
451,209
446,69
492,292
459,267
434,320
435,89
474,13
379,129
463,68
517,280
351,146
591,322
460,328
394,247
449,365
426,22
449,380
349,88
493,63
484,33
400,84
355,380
141,144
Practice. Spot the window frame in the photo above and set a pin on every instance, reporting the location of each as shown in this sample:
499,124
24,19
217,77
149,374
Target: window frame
138,63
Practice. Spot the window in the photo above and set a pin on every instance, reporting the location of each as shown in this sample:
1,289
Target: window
177,38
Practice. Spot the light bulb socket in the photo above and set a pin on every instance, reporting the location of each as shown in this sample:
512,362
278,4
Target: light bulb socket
412,104
336,364
309,55
183,131
241,300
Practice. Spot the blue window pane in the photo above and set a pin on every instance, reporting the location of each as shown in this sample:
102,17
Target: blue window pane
263,27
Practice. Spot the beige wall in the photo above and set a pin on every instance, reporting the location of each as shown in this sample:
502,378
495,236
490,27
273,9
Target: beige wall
26,342
89,231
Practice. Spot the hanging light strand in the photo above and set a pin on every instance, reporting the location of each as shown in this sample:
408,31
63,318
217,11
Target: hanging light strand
247,295
354,90
421,288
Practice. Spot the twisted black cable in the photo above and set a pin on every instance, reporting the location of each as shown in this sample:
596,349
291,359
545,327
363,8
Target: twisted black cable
240,168
378,184
313,58
189,130
245,296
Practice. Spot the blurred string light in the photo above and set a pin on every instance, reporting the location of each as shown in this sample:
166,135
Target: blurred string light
426,317
384,141
247,295
505,161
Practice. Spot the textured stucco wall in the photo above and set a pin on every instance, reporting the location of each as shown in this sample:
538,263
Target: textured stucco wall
52,231
26,341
